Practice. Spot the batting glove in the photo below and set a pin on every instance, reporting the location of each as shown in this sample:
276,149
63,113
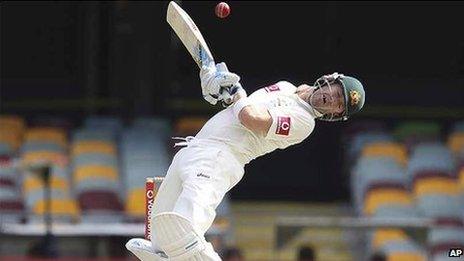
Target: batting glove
215,78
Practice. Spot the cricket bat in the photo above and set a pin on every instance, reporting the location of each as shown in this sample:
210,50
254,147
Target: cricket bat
193,40
189,34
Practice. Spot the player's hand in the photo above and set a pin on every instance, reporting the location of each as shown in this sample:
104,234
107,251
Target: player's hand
213,79
227,94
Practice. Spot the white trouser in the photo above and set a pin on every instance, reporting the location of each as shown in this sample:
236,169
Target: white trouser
196,183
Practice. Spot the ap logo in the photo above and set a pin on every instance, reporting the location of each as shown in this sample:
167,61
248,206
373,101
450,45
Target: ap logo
455,252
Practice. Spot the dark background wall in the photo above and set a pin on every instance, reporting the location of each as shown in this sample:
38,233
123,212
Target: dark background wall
74,59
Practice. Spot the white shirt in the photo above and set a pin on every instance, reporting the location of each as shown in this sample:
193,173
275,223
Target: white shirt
293,121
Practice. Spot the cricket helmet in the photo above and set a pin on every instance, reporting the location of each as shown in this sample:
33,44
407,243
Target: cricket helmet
353,92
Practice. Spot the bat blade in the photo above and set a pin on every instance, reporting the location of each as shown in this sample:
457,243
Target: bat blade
189,34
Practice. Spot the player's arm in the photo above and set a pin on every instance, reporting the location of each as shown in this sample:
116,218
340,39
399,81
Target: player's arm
256,118
289,125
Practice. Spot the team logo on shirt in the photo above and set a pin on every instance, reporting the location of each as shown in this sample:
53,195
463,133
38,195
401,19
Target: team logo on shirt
272,88
283,125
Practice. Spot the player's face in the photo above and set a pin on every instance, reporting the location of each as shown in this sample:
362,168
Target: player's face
328,99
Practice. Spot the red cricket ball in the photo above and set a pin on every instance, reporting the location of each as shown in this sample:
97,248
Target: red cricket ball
222,10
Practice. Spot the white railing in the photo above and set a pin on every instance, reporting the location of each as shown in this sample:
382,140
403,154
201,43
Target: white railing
83,229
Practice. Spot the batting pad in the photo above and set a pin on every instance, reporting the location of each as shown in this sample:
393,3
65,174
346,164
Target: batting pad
176,236
142,249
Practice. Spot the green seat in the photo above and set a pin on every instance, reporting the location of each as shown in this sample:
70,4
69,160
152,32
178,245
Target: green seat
417,130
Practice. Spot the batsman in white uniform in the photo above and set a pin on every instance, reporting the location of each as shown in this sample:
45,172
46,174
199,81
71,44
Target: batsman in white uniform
271,118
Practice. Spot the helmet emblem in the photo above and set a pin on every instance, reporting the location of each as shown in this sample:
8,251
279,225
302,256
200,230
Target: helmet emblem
354,97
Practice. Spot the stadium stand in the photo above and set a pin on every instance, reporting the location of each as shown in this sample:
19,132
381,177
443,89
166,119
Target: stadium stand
144,154
410,172
95,168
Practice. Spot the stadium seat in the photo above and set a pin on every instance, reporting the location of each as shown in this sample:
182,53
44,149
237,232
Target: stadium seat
403,249
108,123
50,134
406,256
458,127
161,126
33,186
435,185
362,139
7,171
47,145
99,200
441,240
386,149
97,184
380,186
33,182
11,203
11,134
144,154
6,149
135,202
95,171
84,134
85,159
8,206
369,171
381,236
440,206
396,245
95,168
102,147
33,146
452,234
386,196
32,197
44,145
189,125
456,141
43,157
59,207
9,141
13,122
94,154
431,157
417,131
396,211
461,179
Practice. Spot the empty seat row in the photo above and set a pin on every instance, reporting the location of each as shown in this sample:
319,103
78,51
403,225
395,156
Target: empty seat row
410,172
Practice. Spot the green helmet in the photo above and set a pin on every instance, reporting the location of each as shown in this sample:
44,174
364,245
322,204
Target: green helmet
353,92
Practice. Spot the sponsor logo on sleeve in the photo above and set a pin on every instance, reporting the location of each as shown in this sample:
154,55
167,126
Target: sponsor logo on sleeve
283,125
272,88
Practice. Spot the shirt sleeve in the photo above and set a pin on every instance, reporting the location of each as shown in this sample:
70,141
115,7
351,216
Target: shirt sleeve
289,124
281,86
